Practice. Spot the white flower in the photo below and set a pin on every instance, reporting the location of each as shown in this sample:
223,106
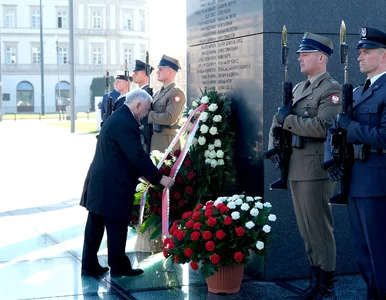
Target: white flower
212,107
222,198
204,128
211,147
220,153
235,197
244,206
201,140
249,199
213,154
139,187
195,103
272,217
258,198
217,143
239,201
235,215
207,153
267,204
213,130
205,100
249,224
208,161
213,163
267,228
221,162
231,205
217,118
190,111
204,116
218,201
194,142
260,245
254,212
259,205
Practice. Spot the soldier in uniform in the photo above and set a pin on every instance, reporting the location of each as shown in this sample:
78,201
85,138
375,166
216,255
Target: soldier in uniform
114,96
122,85
366,130
316,101
167,106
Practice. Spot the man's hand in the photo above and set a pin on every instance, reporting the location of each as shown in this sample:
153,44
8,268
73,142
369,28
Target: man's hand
275,123
343,121
276,161
283,112
335,173
167,181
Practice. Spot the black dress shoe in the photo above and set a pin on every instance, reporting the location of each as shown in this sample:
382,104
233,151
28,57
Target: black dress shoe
95,271
131,273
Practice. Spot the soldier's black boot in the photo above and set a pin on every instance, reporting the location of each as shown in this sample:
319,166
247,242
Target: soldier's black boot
313,289
326,286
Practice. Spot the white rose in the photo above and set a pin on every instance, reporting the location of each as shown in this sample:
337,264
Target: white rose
235,197
222,198
235,215
244,206
213,163
258,198
221,162
204,128
267,204
213,130
204,116
208,161
249,199
259,205
204,100
267,228
218,201
220,153
194,142
213,154
231,205
217,118
217,143
195,103
207,153
212,107
249,224
189,126
239,201
254,212
190,111
139,187
272,218
260,245
201,140
211,147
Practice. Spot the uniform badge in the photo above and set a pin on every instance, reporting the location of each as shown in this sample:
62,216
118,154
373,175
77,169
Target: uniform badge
335,99
363,31
177,99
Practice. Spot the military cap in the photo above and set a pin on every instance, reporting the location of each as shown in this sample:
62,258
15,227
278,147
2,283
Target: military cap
167,61
123,76
141,66
372,38
314,42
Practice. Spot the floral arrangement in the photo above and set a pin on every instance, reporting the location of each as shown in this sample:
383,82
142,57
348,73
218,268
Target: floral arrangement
220,233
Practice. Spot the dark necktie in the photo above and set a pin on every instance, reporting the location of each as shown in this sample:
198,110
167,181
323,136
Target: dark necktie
366,86
306,85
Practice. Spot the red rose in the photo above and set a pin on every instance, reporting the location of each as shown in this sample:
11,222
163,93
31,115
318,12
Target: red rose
173,207
240,231
238,257
167,241
133,218
228,221
189,190
186,215
196,216
181,203
169,157
187,163
175,259
224,209
179,179
197,226
165,251
189,224
209,204
220,234
208,213
177,152
212,221
194,265
167,170
215,258
198,207
188,252
171,245
175,223
191,175
210,246
173,230
195,236
218,206
176,195
161,171
206,235
180,235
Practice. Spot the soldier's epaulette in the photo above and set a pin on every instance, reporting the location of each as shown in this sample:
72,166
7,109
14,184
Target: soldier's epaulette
295,87
332,80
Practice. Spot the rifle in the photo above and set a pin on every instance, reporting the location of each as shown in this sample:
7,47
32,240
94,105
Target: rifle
342,152
147,128
109,102
282,138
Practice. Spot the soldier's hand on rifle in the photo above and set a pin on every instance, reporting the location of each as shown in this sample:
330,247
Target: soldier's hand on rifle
275,123
283,112
335,173
276,161
343,121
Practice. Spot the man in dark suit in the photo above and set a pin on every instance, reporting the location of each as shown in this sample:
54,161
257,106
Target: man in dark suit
366,130
109,188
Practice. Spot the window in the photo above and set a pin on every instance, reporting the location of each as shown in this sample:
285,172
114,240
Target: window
62,93
128,55
62,52
97,56
10,55
143,54
127,21
35,55
97,20
142,21
35,18
10,17
25,97
62,19
6,97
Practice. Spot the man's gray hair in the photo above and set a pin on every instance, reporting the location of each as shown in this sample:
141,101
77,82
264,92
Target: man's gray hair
137,95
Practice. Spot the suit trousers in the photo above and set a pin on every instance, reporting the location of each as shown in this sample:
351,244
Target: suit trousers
368,229
116,244
314,217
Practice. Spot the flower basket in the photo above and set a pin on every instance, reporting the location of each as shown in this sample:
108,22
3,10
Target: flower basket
227,280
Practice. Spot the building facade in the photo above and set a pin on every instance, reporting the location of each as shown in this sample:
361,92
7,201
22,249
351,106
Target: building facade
108,33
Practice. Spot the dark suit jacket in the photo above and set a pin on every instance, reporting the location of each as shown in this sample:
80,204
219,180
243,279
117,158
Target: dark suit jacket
118,163
114,95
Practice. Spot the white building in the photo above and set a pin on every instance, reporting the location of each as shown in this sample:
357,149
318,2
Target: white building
107,32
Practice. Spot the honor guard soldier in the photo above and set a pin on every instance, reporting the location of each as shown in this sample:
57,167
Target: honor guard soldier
366,131
316,102
122,85
167,106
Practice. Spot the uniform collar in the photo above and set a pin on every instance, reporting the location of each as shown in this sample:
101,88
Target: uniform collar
314,78
376,77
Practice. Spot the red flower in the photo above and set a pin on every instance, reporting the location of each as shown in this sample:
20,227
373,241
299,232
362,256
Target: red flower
194,265
197,226
196,216
175,223
189,224
191,175
171,245
167,170
180,235
177,152
181,203
212,221
165,251
228,220
238,256
215,258
173,207
198,207
188,252
240,231
187,162
206,235
220,234
169,157
175,259
218,206
173,230
209,204
186,215
209,213
210,246
134,218
224,209
189,190
176,195
167,241
195,235
179,179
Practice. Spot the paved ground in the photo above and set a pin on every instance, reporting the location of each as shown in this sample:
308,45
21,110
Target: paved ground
42,170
